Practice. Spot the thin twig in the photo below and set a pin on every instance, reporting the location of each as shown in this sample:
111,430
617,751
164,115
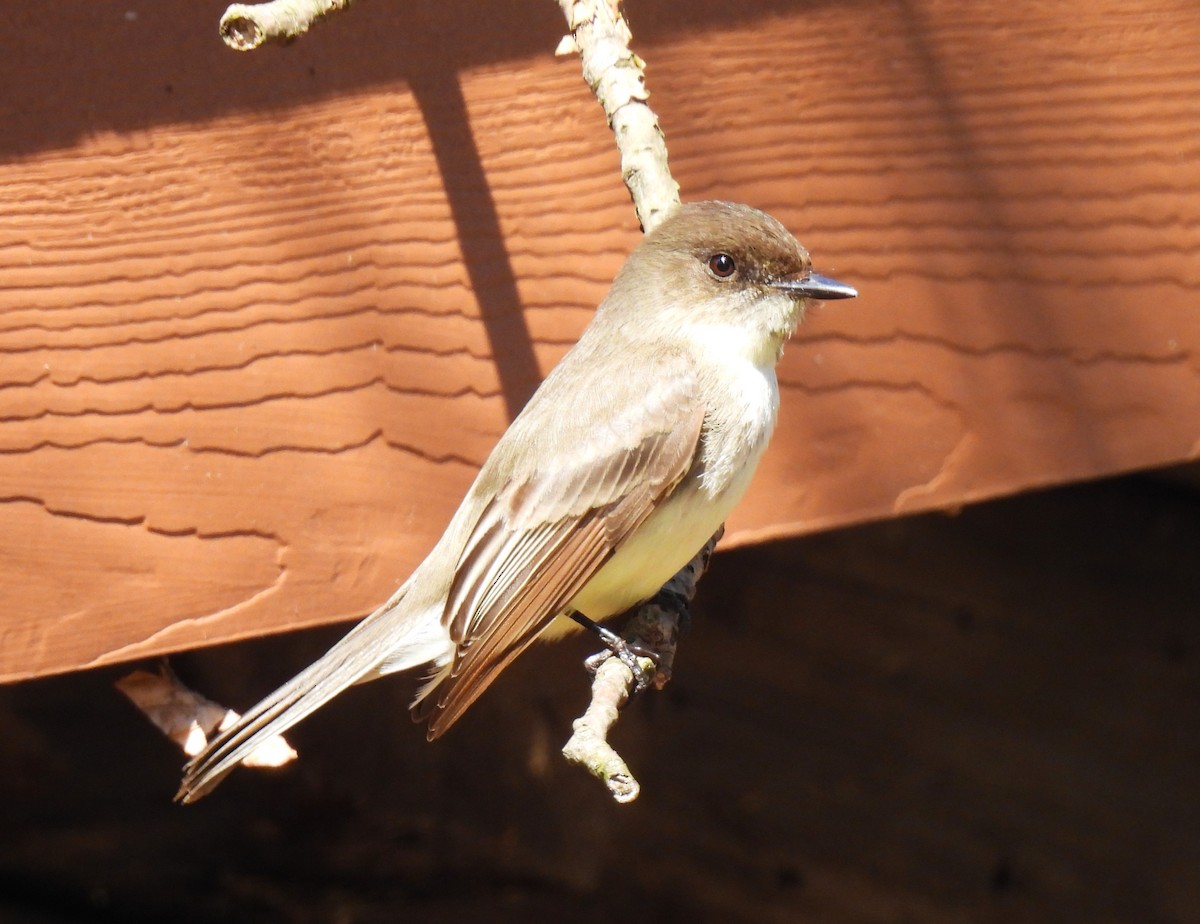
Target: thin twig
246,26
192,720
617,77
654,627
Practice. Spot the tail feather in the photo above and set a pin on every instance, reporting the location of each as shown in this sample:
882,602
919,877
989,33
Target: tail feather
356,657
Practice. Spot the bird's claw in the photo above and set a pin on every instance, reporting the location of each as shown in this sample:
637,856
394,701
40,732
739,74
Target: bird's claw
629,653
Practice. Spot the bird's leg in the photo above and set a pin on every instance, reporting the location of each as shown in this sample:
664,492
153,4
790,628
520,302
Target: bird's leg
628,652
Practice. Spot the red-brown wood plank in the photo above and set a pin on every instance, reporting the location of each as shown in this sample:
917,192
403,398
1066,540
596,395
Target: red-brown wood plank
262,316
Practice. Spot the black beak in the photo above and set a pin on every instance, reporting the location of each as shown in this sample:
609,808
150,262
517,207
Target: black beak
814,285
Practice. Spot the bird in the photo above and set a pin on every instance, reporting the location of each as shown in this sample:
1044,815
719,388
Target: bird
628,457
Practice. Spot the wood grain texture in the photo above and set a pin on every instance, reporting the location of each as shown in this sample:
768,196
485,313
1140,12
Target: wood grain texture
262,316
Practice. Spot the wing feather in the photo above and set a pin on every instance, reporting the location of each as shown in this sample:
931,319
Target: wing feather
543,537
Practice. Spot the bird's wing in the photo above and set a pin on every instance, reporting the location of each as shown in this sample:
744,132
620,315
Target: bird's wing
545,535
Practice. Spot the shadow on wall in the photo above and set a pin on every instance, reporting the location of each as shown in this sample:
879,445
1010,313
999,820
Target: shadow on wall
71,70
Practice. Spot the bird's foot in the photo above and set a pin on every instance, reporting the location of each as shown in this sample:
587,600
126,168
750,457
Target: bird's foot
629,653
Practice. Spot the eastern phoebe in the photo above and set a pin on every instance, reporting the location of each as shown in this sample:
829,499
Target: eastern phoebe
622,465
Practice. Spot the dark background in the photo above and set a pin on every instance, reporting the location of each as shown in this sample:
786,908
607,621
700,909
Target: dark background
984,717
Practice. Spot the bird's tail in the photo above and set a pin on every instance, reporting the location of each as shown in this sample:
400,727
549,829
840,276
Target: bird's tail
401,639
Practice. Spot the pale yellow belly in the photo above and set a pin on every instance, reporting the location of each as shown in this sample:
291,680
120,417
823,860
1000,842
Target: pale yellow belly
677,530
667,541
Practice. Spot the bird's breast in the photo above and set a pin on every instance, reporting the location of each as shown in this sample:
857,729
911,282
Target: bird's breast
735,434
742,401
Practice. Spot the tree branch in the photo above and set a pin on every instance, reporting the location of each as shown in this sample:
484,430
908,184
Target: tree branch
653,627
617,77
246,26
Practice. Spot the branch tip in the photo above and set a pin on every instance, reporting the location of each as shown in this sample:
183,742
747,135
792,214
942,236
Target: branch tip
655,628
246,26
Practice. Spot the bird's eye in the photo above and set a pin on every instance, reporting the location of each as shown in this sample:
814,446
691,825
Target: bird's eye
722,265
